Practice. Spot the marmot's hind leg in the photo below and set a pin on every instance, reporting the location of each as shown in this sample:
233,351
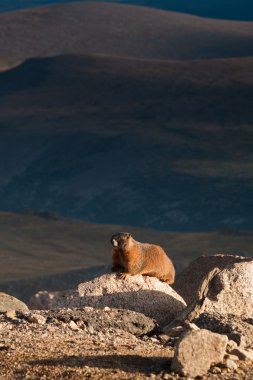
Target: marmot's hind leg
169,280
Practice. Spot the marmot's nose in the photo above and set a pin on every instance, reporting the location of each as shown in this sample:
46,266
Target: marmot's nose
114,243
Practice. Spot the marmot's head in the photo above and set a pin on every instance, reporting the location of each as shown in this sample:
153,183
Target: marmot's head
121,240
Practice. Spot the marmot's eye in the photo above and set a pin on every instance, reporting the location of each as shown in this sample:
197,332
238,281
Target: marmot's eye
128,236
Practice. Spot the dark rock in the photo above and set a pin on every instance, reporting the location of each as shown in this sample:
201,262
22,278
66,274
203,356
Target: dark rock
234,327
102,320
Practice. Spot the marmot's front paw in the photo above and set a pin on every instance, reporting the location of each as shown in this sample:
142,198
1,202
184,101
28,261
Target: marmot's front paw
123,275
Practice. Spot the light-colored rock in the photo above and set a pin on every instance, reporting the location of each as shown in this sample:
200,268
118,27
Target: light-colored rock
143,294
73,326
8,303
197,351
243,354
231,364
11,314
215,370
188,282
231,345
231,291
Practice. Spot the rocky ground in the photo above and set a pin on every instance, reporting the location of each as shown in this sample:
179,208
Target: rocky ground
139,328
82,344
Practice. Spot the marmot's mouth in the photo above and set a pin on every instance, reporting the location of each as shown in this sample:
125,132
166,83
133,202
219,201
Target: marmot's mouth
114,243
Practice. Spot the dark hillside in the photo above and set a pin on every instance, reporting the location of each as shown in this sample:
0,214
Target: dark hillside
166,145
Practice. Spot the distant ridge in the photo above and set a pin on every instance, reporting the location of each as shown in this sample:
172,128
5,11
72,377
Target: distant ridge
222,9
119,30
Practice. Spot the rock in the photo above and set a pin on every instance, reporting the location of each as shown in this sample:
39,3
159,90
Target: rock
215,370
231,291
224,303
35,318
231,345
237,329
146,295
181,328
97,320
197,351
189,280
42,299
230,364
8,303
73,326
11,314
243,354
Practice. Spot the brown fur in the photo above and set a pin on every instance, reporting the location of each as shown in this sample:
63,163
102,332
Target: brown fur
138,258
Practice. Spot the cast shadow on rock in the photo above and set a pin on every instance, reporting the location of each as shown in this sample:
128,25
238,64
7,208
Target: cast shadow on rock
154,304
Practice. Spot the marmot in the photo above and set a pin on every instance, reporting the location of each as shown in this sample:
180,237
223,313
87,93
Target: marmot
138,258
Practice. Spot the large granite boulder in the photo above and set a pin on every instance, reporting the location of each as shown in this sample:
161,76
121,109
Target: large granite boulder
231,291
188,282
143,294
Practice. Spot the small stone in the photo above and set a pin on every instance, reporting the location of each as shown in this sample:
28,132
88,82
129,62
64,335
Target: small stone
242,354
11,314
191,326
73,326
231,345
90,329
36,318
215,370
155,340
164,338
174,331
88,308
107,308
230,364
80,324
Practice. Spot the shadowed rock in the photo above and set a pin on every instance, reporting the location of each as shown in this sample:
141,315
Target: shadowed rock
103,320
237,329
